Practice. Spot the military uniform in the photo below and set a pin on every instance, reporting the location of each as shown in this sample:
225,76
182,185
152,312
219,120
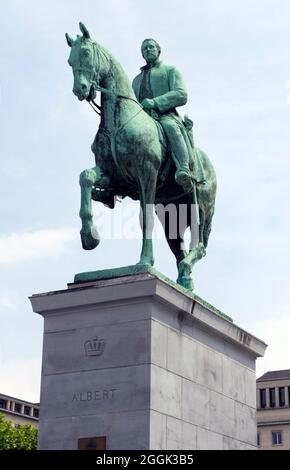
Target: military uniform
164,84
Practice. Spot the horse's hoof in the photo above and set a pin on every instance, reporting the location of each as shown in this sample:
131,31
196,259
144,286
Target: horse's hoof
184,269
185,282
88,241
201,250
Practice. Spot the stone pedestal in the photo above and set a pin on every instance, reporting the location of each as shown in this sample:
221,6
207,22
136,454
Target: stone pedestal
139,361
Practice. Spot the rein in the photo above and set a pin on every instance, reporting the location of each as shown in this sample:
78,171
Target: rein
116,95
112,93
112,134
96,106
99,88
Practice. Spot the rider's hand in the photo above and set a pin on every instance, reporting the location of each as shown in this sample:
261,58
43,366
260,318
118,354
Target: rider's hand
148,104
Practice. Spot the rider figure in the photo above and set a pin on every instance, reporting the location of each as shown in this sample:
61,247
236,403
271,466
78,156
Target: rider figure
160,89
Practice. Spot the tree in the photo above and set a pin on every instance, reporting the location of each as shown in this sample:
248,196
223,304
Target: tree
20,437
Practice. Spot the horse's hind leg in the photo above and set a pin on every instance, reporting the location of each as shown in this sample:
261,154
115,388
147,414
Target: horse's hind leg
147,189
197,251
89,234
173,230
176,246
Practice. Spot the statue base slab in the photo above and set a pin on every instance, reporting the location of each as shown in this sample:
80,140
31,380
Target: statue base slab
132,361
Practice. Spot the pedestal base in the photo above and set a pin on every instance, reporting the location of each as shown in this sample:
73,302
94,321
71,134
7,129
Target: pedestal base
140,364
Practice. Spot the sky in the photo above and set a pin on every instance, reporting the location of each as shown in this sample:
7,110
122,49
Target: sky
235,59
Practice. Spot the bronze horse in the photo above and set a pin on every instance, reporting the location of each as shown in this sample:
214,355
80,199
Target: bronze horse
132,160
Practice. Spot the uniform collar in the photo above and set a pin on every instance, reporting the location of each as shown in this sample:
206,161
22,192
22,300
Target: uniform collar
148,67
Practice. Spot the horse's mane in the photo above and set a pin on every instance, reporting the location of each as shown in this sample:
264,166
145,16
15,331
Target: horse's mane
103,55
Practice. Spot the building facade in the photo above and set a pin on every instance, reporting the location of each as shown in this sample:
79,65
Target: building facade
273,410
19,411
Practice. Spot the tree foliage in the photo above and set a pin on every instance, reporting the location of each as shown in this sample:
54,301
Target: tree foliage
20,437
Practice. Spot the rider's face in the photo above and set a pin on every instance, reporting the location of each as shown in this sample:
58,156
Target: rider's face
150,51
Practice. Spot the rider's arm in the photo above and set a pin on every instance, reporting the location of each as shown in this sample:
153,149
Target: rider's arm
176,96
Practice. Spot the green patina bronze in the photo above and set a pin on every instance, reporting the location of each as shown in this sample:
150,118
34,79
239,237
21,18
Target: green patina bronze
143,150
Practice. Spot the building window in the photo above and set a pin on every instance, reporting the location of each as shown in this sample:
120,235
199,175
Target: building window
27,410
3,404
276,438
289,395
272,397
17,408
281,396
35,413
258,439
263,397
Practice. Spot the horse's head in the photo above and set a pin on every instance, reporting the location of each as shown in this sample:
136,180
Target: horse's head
82,59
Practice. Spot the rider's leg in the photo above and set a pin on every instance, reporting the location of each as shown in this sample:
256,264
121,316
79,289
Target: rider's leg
180,152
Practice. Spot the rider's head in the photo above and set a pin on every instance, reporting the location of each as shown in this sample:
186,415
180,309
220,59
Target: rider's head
150,50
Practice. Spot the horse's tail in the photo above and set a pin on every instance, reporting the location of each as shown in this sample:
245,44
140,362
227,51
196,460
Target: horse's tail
207,227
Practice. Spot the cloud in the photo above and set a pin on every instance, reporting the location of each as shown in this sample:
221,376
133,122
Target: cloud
39,244
21,379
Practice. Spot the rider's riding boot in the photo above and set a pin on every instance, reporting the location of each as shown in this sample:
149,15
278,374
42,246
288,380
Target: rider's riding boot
184,179
182,157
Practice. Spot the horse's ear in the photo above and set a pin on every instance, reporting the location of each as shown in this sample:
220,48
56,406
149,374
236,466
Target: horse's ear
69,40
84,30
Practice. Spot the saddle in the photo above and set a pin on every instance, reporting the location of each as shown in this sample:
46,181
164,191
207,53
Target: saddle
166,189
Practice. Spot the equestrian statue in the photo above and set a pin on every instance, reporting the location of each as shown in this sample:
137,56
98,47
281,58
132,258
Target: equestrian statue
144,150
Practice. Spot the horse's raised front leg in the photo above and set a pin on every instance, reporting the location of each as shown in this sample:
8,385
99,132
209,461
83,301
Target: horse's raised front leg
147,189
89,233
